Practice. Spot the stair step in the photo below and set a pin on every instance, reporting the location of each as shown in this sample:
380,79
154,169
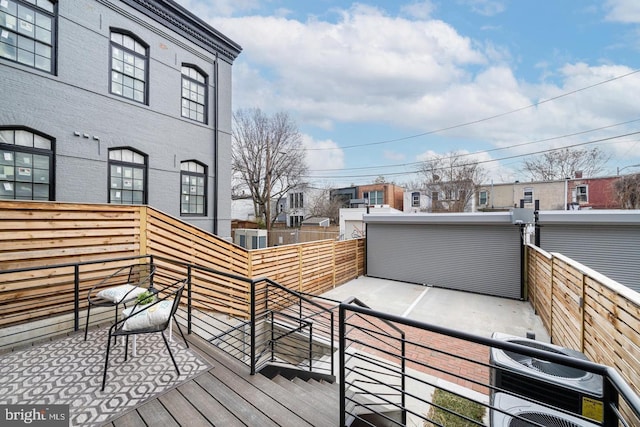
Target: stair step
324,408
326,389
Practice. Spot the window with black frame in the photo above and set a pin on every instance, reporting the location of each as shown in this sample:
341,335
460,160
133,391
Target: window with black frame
129,67
193,188
27,30
26,165
194,98
127,177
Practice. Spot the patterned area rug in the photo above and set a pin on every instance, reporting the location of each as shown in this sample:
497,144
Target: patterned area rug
69,371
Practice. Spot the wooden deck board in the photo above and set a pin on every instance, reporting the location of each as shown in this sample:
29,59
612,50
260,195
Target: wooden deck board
130,419
210,408
155,414
227,395
183,410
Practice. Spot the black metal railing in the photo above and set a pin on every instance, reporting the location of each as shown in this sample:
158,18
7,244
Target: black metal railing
291,329
257,321
392,370
449,378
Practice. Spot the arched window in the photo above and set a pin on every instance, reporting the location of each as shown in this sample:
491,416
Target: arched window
127,176
129,67
193,188
26,165
194,94
27,31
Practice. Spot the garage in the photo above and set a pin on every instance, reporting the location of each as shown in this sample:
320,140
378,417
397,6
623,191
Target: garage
478,253
605,241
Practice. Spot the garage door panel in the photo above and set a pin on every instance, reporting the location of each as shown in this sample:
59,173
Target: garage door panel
609,249
477,258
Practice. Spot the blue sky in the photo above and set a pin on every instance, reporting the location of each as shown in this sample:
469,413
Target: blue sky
376,86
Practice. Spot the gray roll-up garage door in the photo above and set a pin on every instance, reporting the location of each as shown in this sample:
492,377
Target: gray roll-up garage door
612,250
481,258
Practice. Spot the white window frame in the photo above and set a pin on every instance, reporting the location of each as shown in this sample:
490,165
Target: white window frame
582,197
483,195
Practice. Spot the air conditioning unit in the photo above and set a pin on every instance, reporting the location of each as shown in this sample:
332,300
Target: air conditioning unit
571,389
530,411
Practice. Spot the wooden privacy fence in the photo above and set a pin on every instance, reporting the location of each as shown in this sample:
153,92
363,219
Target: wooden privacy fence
36,234
586,311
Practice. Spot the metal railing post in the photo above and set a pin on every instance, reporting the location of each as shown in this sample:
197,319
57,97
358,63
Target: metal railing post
403,380
310,346
189,295
610,399
333,348
76,297
272,343
341,367
253,327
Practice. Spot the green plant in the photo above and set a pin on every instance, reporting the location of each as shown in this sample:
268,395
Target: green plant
459,406
145,298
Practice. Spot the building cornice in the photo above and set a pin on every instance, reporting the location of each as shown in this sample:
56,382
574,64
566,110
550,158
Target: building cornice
173,16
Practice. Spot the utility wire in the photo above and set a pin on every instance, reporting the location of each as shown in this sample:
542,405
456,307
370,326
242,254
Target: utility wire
480,161
487,151
444,129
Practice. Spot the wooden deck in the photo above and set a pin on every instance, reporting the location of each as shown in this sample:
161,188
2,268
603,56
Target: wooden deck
227,395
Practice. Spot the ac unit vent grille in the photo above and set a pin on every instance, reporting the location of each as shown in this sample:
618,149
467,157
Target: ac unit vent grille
546,420
543,366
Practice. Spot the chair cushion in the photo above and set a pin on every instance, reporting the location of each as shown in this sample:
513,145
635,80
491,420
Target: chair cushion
117,294
153,316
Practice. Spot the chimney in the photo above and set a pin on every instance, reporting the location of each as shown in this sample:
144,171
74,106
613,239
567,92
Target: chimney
578,174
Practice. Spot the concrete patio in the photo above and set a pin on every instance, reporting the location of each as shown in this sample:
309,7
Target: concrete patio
473,313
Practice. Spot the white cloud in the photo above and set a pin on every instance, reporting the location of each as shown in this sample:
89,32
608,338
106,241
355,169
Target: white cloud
417,74
323,155
363,67
394,156
419,10
623,11
485,7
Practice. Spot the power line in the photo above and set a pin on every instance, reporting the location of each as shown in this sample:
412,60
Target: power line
480,161
475,153
444,129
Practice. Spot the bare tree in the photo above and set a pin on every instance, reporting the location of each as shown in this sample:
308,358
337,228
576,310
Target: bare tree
267,158
323,206
628,190
564,163
450,181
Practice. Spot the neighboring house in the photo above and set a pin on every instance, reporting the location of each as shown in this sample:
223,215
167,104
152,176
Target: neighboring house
416,201
370,195
295,207
316,221
344,196
593,193
116,101
352,224
503,197
242,209
565,194
438,199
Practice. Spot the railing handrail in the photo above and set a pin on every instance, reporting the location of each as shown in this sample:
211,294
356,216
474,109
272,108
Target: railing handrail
609,374
359,303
